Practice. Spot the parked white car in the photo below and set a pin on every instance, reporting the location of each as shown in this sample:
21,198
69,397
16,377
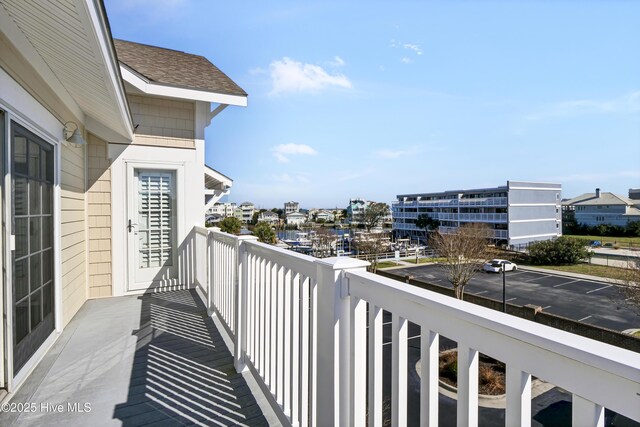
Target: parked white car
495,266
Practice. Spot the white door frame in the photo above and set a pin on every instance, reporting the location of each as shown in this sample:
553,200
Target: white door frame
130,166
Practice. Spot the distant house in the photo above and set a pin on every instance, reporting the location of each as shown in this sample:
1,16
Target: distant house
291,207
593,209
222,209
296,218
326,216
269,217
356,210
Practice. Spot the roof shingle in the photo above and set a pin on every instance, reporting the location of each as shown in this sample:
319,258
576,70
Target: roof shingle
175,68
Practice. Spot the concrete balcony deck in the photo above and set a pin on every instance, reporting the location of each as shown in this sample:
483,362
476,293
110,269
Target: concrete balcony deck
137,360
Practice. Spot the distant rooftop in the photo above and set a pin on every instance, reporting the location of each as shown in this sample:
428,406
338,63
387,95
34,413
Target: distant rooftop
175,68
604,198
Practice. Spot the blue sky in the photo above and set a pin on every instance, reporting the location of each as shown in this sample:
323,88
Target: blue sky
374,99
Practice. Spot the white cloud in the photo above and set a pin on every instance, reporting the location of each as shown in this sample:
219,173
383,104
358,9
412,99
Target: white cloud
282,151
623,104
288,75
290,179
337,62
413,47
406,60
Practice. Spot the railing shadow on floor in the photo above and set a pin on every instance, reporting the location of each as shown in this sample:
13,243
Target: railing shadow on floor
182,371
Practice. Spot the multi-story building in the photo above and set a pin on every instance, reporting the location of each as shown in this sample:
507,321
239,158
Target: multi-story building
593,209
517,213
222,209
291,207
247,209
356,209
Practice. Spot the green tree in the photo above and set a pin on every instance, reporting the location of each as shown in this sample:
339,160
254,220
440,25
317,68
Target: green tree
231,225
264,233
561,251
373,214
427,224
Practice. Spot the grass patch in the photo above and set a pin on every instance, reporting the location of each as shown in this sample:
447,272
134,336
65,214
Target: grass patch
591,269
423,260
387,264
620,241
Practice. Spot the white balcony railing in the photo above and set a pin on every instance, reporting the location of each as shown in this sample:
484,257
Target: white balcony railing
304,328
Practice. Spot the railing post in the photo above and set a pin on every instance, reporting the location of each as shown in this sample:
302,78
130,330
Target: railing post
333,385
586,413
210,268
240,302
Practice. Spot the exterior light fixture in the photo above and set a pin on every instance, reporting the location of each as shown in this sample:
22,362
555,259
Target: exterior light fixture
73,136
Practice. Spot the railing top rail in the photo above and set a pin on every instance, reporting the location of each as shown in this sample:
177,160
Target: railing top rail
301,263
395,295
200,230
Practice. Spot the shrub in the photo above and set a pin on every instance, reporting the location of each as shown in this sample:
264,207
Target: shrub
560,251
231,225
264,233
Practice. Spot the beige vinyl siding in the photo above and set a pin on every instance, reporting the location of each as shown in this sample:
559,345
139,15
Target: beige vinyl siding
162,122
72,231
99,217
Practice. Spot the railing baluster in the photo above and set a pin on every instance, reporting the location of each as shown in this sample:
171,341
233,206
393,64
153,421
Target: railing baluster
268,326
279,337
585,413
375,366
399,335
286,365
296,323
305,360
358,355
518,411
429,353
467,386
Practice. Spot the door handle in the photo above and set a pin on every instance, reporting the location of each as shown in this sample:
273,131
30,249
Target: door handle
130,226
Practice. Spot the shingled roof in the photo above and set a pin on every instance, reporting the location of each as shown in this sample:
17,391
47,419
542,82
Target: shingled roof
175,68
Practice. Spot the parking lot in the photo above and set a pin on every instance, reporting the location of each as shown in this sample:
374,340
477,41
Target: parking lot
587,301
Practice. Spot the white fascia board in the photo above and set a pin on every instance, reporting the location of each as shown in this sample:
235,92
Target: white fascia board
105,49
181,93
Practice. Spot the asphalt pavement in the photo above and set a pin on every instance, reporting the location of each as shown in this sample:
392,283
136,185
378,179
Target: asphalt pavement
589,301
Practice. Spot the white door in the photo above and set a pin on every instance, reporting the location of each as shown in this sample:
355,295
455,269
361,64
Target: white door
151,228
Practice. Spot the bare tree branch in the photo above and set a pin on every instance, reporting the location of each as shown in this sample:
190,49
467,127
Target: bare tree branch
463,252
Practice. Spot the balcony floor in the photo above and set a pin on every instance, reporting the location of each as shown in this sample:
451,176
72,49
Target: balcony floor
137,360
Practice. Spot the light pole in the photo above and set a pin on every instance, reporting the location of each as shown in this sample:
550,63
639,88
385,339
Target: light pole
504,288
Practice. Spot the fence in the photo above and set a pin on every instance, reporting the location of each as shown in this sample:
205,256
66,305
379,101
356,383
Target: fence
304,328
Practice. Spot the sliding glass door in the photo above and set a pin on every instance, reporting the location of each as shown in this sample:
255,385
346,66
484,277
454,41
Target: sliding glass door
32,179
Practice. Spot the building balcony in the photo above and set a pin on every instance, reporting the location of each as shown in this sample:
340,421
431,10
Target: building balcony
264,335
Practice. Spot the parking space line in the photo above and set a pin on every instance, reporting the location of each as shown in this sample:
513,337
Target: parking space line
599,289
584,318
510,299
566,283
536,278
544,308
481,292
410,338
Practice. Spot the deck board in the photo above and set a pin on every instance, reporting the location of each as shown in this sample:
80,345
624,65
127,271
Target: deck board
151,360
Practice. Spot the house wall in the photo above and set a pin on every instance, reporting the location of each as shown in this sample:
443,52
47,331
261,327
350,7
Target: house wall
163,122
99,218
73,231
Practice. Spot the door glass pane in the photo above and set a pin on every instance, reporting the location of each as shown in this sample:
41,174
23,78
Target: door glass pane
156,216
21,278
35,235
35,270
22,320
47,300
36,307
20,194
20,155
47,231
21,231
34,198
34,160
47,266
47,201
